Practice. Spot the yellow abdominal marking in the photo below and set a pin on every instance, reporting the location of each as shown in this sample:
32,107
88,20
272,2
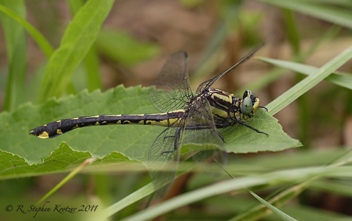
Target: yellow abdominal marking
159,123
58,131
43,135
173,120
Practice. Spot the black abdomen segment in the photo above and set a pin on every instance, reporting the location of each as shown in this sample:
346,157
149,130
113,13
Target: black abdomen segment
54,129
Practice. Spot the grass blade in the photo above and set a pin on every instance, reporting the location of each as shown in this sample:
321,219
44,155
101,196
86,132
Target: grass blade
66,179
302,87
332,14
274,74
91,64
276,177
35,34
16,46
149,188
76,42
275,210
341,79
91,61
260,211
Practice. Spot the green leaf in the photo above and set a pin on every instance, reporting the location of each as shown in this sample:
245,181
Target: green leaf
124,48
341,79
16,46
240,139
61,159
75,44
100,141
133,141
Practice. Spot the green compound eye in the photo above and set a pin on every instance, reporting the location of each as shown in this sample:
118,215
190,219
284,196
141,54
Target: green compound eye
247,106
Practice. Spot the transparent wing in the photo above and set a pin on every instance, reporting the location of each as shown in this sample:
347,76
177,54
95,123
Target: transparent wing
200,129
172,85
196,127
207,84
163,159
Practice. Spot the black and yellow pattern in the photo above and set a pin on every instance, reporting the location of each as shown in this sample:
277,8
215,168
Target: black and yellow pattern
226,109
59,127
188,117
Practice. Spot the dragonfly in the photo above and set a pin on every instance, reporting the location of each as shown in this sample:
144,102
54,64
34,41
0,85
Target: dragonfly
190,118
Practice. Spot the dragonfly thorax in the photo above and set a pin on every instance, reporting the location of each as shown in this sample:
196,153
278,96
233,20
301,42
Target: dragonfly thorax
221,103
225,105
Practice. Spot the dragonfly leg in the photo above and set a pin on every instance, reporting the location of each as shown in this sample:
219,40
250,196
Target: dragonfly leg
169,151
225,124
177,136
221,137
256,130
263,108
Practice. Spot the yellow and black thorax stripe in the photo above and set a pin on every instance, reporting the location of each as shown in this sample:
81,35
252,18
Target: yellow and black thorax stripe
222,103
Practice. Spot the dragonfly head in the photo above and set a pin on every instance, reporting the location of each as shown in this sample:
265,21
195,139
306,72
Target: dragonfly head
249,105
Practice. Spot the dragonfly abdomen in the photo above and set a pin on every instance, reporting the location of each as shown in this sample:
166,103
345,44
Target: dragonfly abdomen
59,127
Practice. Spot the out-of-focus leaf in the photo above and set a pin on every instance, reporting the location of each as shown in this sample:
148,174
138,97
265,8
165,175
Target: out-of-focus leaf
16,46
76,42
124,48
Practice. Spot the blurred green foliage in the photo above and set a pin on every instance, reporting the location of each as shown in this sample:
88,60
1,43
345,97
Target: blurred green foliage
75,52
